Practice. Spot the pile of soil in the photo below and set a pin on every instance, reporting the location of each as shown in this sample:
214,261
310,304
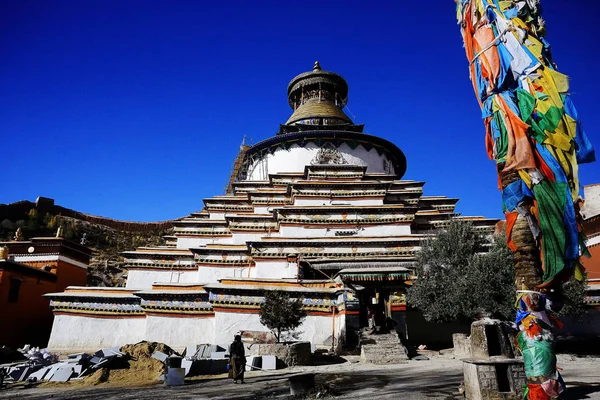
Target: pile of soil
137,368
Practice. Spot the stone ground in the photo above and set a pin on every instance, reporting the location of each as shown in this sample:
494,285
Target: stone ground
437,378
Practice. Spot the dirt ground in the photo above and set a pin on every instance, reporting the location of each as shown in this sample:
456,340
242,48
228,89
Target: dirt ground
436,378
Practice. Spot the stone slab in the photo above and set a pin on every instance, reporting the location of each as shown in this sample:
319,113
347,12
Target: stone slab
160,356
187,365
40,373
269,363
62,374
253,363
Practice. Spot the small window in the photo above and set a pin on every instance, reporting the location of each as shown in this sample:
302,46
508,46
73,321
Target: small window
13,291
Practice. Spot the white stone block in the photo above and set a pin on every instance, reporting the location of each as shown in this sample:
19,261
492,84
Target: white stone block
269,363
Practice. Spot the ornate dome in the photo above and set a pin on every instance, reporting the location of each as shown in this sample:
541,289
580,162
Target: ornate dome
317,98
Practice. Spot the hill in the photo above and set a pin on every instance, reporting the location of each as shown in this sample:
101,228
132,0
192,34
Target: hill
106,237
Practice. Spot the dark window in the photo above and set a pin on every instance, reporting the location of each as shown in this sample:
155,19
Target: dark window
13,291
493,340
502,377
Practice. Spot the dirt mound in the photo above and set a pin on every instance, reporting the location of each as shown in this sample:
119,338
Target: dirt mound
137,368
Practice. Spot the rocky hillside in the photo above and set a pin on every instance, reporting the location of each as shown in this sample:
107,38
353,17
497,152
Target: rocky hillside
107,238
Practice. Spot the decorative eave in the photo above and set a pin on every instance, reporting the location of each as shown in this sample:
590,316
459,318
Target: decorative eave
231,296
185,302
164,253
96,303
375,274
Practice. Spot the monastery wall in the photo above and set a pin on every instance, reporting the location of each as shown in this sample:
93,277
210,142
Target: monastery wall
213,274
83,333
276,269
195,242
317,329
322,201
365,231
188,330
143,279
296,158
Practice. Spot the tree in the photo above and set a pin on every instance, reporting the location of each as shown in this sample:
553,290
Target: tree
573,295
281,313
457,278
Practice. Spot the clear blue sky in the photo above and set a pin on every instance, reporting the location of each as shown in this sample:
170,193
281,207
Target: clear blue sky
135,109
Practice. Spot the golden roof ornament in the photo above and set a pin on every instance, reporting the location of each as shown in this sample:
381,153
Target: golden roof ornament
317,66
18,235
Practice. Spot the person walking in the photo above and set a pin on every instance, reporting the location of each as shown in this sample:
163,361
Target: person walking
237,359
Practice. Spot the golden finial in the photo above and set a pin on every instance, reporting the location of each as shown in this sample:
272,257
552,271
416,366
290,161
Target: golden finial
317,66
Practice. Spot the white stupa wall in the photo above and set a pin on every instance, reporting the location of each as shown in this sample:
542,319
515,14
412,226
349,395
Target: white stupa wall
192,330
143,279
316,329
324,201
72,333
365,231
213,274
195,242
296,158
276,269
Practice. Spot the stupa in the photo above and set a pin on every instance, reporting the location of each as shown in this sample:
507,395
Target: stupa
319,210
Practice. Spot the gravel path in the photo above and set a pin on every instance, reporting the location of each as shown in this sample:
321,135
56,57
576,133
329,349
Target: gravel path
437,378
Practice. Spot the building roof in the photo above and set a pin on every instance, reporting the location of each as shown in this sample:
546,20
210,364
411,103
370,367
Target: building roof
26,270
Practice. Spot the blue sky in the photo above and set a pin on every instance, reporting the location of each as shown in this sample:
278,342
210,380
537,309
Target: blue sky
135,109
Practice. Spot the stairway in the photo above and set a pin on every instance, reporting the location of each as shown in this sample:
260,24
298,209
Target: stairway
381,348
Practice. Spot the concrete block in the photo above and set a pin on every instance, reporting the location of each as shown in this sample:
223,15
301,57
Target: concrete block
269,363
175,377
109,351
253,363
187,365
160,356
191,350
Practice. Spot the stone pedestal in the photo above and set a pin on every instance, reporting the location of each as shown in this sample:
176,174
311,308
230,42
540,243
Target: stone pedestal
492,371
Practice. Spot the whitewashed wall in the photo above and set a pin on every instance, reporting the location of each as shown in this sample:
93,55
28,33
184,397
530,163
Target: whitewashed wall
296,158
178,332
320,201
78,333
315,329
195,242
366,231
276,269
213,274
143,279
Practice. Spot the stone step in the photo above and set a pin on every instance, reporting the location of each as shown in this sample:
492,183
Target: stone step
375,354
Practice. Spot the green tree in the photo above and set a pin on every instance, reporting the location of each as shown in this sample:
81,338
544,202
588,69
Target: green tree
460,273
574,292
281,313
